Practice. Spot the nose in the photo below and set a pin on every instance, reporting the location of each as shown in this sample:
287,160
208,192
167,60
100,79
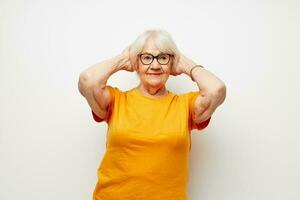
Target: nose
155,65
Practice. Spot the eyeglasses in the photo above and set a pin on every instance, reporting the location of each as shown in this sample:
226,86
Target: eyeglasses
162,59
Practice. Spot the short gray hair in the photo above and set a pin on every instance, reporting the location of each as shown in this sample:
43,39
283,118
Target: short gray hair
162,40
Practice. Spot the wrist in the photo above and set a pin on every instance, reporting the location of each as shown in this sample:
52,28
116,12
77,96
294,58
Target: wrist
187,69
119,61
192,71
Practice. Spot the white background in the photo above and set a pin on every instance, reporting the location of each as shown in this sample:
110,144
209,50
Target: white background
50,147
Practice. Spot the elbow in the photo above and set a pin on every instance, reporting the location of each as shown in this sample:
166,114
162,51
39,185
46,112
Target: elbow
86,79
83,77
221,93
83,83
222,89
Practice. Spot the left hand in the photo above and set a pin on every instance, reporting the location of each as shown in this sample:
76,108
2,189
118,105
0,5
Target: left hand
183,66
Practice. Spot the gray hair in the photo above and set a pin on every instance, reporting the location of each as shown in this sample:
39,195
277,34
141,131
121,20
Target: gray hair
161,38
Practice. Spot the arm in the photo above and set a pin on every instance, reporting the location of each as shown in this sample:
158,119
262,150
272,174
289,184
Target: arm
213,93
212,89
92,82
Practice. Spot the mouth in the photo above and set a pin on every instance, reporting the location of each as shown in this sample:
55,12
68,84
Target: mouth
155,74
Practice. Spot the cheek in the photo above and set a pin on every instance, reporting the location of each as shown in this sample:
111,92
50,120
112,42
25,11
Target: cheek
168,69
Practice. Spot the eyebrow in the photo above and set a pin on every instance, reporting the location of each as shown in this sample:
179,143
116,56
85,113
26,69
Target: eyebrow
152,54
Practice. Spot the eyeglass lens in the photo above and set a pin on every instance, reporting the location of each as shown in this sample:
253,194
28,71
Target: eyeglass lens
148,59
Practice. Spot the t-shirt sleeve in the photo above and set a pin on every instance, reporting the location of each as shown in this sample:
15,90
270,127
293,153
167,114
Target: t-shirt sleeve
112,91
192,96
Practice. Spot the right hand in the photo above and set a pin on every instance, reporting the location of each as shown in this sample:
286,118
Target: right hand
126,61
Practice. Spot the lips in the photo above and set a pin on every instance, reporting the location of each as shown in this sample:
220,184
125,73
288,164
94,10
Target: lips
154,74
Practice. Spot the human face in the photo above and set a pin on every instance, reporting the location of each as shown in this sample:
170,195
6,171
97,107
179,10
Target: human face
154,74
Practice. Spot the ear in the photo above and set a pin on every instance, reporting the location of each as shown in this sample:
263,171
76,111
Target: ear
173,63
175,60
136,66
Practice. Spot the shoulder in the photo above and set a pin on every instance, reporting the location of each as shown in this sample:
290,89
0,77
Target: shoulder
189,96
110,93
116,91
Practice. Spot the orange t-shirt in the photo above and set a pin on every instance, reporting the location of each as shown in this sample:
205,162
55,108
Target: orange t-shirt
147,146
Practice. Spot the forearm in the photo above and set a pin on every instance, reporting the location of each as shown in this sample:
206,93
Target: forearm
206,81
99,73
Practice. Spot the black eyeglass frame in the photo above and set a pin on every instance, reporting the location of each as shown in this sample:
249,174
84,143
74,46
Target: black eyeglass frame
155,57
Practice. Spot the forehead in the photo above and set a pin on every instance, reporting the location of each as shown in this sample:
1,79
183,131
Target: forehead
150,47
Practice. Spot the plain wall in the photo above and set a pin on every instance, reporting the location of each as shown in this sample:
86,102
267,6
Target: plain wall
50,147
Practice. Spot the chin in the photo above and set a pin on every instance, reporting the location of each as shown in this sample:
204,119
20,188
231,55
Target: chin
155,83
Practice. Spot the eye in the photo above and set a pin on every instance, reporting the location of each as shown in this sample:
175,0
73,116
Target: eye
146,57
164,57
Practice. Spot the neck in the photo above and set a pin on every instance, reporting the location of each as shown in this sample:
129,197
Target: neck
153,91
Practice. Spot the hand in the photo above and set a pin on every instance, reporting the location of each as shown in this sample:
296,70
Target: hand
183,66
126,63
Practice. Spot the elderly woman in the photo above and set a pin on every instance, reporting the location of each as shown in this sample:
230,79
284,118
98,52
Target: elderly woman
148,139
